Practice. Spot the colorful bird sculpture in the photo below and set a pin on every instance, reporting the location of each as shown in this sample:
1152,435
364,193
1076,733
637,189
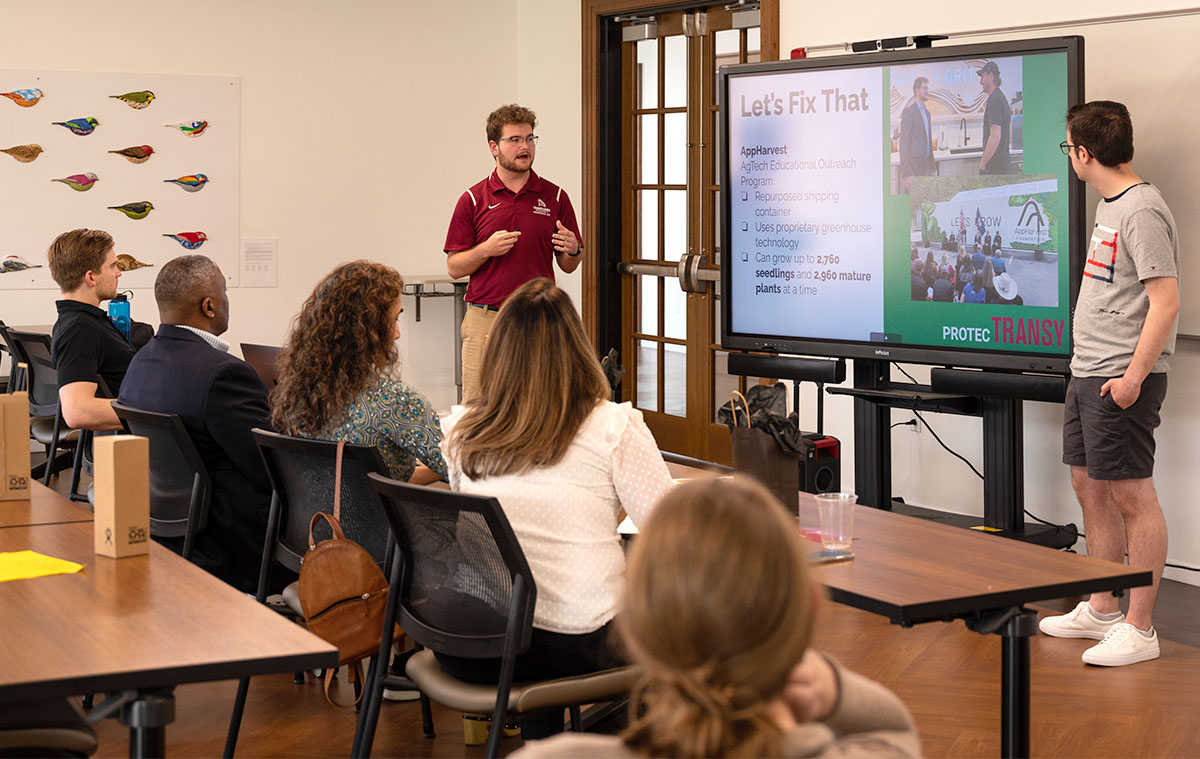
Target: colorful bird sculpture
137,100
191,183
190,128
189,240
126,262
16,263
135,153
24,98
82,126
24,153
139,210
79,182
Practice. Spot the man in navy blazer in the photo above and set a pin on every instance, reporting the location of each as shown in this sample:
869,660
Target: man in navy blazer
916,137
187,370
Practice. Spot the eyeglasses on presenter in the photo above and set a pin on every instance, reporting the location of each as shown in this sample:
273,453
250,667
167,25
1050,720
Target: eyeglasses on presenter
515,141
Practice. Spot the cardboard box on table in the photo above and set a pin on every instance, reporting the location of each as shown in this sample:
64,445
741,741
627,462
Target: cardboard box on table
121,484
14,447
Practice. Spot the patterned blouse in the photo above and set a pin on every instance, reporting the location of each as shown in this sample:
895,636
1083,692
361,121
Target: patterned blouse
565,514
397,420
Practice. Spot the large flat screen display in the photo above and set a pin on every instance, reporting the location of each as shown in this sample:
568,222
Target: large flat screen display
911,205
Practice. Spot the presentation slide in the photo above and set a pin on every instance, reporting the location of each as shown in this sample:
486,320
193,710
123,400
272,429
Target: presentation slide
804,229
913,204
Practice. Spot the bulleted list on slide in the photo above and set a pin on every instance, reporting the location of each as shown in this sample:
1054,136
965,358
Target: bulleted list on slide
796,158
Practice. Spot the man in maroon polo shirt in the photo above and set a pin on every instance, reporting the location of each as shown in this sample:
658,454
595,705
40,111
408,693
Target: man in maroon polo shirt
506,230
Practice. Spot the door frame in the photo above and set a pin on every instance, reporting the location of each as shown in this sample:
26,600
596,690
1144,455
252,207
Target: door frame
601,50
605,292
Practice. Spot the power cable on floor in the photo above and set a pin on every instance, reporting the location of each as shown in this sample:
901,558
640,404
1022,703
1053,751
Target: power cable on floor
917,414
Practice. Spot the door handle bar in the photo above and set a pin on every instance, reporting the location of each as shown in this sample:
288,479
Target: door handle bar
691,271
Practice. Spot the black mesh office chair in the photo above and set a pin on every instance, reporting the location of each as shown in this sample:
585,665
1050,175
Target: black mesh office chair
40,380
14,382
262,360
301,472
180,488
466,589
83,452
45,727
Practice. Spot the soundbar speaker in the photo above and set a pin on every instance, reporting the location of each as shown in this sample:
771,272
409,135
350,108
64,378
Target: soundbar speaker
1028,387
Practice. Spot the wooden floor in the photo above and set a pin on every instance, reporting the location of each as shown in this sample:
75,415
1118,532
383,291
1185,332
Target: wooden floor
948,676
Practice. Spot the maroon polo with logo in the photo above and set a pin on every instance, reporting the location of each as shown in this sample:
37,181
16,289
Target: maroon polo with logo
489,207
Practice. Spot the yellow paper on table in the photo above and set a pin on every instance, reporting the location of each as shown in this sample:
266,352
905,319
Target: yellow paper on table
22,565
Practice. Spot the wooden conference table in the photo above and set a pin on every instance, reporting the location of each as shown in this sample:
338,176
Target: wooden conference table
132,628
43,507
912,570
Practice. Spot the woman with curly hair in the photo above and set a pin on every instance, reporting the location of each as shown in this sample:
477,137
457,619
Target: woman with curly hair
719,611
337,373
563,460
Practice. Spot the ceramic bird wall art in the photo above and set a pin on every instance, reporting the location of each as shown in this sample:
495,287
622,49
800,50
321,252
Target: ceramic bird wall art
24,153
126,262
82,126
191,182
139,210
189,128
79,182
136,100
24,98
189,240
135,153
16,263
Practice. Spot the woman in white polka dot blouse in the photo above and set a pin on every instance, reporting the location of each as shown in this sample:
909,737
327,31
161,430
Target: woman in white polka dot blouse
563,460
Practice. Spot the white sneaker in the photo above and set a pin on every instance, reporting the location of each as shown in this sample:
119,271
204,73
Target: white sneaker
1124,644
401,695
1078,623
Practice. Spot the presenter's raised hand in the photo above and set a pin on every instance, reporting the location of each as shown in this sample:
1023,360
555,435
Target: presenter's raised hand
500,243
564,240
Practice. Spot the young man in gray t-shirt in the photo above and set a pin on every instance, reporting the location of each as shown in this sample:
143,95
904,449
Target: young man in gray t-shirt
1124,331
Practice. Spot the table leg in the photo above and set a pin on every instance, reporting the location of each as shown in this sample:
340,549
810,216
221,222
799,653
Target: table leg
1014,683
147,717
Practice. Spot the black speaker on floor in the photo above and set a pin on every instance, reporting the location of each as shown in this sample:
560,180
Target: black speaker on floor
820,466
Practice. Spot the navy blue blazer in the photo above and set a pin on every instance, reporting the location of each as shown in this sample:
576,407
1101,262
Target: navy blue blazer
220,399
916,149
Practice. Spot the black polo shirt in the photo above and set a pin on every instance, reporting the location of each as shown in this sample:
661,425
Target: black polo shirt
85,344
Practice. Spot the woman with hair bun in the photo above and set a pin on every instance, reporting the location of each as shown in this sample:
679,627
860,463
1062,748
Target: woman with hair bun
727,672
338,374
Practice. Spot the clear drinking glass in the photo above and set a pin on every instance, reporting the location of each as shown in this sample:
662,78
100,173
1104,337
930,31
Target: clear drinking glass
835,513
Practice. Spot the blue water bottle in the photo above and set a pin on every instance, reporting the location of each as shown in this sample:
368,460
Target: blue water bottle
118,311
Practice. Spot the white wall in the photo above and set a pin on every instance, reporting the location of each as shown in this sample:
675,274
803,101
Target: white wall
549,75
362,123
922,472
801,25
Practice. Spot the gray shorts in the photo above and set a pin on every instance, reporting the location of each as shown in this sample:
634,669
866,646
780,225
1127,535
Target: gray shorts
1112,442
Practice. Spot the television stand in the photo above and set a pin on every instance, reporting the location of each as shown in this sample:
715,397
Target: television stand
1003,449
1054,536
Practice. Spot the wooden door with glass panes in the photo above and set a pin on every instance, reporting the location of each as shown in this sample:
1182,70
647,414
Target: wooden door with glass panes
670,197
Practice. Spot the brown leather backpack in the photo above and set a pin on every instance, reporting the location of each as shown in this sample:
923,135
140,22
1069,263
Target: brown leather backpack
343,592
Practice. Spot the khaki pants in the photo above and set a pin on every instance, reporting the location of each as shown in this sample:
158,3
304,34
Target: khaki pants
476,326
